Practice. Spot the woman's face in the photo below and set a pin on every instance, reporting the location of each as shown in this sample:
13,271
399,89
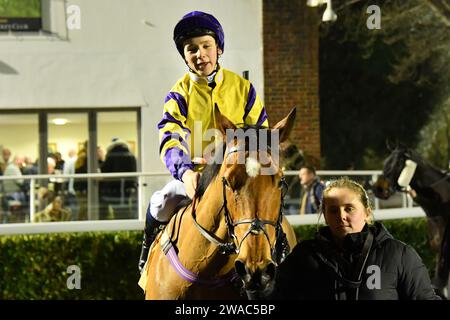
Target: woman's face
201,54
344,212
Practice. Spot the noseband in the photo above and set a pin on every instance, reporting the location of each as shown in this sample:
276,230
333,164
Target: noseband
406,173
256,227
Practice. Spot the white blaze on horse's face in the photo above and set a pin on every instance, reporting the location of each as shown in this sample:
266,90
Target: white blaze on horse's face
261,145
252,167
252,192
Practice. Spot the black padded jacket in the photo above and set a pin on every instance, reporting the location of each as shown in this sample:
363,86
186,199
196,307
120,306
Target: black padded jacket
379,268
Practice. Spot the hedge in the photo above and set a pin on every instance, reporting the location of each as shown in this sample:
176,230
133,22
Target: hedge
35,266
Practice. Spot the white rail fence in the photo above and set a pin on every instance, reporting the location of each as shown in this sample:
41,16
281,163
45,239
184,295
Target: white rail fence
151,181
128,225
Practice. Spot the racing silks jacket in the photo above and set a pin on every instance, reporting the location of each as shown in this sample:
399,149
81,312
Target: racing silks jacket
189,111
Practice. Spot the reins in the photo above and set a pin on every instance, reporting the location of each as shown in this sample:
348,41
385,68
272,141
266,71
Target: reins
256,227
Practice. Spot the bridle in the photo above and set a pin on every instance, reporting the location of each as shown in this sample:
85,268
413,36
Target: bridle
256,225
393,185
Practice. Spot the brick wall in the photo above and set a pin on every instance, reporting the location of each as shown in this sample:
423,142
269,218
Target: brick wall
291,67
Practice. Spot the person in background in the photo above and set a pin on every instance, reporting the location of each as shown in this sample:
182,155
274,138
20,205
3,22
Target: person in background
6,159
312,190
59,161
30,166
115,193
12,190
20,162
292,158
56,184
53,212
81,185
51,165
70,199
101,157
12,169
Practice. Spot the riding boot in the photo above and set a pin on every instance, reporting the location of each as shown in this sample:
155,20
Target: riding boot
282,248
152,228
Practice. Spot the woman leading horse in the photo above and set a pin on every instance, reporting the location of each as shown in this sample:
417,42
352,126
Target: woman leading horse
228,238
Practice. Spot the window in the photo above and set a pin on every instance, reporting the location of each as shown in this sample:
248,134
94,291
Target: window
118,143
67,133
20,15
61,135
18,143
120,125
42,17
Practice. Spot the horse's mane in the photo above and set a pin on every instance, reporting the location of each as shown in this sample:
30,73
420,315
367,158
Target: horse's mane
416,157
210,172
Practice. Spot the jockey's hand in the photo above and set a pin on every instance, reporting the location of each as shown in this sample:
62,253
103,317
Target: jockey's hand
412,193
199,160
190,179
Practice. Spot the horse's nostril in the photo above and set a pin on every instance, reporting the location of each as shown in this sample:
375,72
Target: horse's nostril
240,268
379,192
270,270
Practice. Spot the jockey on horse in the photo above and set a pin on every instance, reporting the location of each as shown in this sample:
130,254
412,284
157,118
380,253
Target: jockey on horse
199,38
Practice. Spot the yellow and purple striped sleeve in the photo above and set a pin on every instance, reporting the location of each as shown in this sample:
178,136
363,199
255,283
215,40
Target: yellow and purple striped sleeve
255,112
174,134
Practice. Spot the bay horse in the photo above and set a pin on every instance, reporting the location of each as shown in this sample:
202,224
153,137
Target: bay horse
223,245
405,169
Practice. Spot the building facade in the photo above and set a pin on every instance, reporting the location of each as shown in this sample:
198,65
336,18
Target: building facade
106,66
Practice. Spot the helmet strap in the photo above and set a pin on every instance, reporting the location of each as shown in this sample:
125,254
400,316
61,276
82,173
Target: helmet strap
215,69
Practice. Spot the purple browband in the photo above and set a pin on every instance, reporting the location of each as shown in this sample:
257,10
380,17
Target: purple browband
194,278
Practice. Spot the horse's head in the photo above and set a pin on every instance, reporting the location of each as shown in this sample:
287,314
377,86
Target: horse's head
394,166
253,187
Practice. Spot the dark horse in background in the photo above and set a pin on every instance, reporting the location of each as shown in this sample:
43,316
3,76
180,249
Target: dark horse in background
432,187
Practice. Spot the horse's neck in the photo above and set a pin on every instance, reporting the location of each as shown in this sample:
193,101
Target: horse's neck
209,210
424,177
433,188
198,251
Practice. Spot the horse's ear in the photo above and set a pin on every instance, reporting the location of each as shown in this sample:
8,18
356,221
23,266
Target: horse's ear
389,145
222,122
402,145
285,125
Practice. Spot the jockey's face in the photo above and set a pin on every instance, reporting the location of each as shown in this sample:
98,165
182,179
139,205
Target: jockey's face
344,212
201,54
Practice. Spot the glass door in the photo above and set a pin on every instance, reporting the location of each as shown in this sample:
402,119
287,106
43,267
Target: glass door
19,141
